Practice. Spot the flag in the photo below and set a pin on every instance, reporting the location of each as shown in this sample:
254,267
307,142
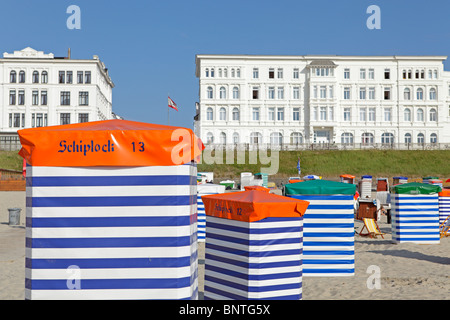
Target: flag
172,104
298,166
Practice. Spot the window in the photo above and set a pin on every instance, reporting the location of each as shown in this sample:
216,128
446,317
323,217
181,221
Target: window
209,93
255,114
331,92
206,74
362,74
212,72
271,93
22,76
235,114
362,114
44,98
435,74
235,138
295,74
296,93
83,98
347,138
432,94
315,114
362,93
433,115
315,92
407,94
417,74
372,114
255,93
387,74
346,73
323,113
280,114
367,138
296,114
69,75
409,74
37,120
209,114
223,138
16,120
331,113
44,77
271,73
255,138
35,98
83,117
407,114
225,73
296,138
420,116
387,93
62,77
65,118
222,93
12,97
371,74
404,74
21,100
408,138
420,138
430,74
35,78
347,114
387,138
87,77
235,93
419,94
387,114
65,98
12,77
209,138
323,92
433,138
271,114
255,73
222,114
280,73
220,73
280,93
371,93
422,74
238,72
346,93
276,138
233,73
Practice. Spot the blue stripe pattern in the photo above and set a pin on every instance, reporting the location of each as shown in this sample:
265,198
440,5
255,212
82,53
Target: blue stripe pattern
328,238
415,219
152,255
203,190
253,260
444,208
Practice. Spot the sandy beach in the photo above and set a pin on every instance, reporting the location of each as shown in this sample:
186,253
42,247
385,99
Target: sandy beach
406,271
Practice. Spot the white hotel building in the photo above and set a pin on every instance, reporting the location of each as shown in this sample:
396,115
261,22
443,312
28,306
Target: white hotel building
339,101
38,89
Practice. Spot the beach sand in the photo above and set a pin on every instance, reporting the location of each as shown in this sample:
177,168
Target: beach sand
406,271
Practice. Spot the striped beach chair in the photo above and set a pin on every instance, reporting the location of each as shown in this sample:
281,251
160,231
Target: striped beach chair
415,213
444,205
203,190
328,226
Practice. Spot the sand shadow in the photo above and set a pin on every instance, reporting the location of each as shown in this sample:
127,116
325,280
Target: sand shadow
414,255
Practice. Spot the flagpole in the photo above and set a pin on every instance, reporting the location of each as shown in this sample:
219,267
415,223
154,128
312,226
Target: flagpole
168,111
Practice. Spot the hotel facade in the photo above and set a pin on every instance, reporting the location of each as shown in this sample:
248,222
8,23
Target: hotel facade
39,89
297,102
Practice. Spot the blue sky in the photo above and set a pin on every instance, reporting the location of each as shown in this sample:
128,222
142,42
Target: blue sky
150,46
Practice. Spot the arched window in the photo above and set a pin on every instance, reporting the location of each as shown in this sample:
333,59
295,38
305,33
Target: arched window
367,138
209,93
387,138
225,73
238,72
408,138
235,138
255,138
407,94
232,73
13,77
22,76
296,138
207,72
222,93
407,114
433,138
212,72
420,138
276,138
209,138
35,77
347,138
223,138
420,114
432,94
433,115
220,73
235,114
419,94
222,114
235,93
44,77
209,114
